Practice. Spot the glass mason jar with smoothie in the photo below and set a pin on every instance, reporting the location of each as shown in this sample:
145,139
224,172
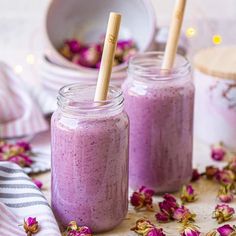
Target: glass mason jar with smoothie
90,158
160,108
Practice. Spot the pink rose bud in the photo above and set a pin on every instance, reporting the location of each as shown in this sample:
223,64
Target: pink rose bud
31,226
188,229
195,175
142,198
211,171
217,152
225,194
73,45
188,194
225,177
144,227
183,214
226,230
223,213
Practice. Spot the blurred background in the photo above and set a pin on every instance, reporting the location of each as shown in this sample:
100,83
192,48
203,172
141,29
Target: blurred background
21,24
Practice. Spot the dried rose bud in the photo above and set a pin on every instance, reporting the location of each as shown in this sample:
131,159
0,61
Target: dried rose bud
162,217
167,208
183,214
142,198
232,165
66,52
38,183
25,145
218,152
74,45
211,171
22,160
227,230
188,229
144,227
128,54
223,213
31,226
188,194
72,226
195,175
225,194
225,177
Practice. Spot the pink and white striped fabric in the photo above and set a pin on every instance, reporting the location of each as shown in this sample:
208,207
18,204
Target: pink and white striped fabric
19,114
19,199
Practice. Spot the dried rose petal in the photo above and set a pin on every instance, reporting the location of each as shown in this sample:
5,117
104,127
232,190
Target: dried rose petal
226,230
188,194
25,145
225,194
31,226
223,213
195,175
225,176
142,198
183,214
217,152
232,165
73,45
188,229
145,228
38,183
21,160
162,217
211,171
167,208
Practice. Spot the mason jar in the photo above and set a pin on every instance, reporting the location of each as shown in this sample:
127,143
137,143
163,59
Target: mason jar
160,108
89,158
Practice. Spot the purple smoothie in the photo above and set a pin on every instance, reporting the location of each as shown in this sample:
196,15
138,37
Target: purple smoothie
90,169
161,131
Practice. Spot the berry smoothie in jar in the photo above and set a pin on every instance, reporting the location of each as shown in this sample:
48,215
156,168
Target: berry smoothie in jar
90,158
160,108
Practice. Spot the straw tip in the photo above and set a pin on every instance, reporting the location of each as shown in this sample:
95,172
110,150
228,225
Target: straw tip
115,14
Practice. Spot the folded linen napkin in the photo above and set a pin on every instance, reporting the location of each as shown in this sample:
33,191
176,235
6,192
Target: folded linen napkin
19,114
19,199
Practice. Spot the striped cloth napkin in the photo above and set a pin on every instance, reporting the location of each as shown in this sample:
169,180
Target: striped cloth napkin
19,199
20,115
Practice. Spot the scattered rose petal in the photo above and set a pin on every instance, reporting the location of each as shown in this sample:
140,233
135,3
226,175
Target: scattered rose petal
223,213
142,198
195,175
31,226
224,194
144,227
188,194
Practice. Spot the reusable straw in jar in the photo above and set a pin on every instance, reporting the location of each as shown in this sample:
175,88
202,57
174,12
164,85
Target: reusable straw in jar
107,56
173,37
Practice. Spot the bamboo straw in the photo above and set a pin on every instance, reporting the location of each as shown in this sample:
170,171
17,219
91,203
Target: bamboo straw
174,33
107,56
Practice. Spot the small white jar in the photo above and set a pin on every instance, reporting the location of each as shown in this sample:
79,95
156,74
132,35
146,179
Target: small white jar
215,102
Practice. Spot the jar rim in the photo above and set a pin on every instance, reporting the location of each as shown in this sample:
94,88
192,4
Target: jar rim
148,65
77,97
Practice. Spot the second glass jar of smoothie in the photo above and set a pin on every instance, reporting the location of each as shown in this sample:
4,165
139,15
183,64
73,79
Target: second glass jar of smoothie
160,108
90,158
